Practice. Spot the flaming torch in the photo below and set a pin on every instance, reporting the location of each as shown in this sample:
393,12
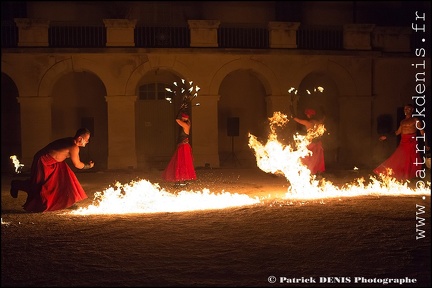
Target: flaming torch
187,91
17,164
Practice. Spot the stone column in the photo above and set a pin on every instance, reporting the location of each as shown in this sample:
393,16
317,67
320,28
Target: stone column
278,103
35,125
283,34
121,132
205,131
357,36
120,32
203,33
32,32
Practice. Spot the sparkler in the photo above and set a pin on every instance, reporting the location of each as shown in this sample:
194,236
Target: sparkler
187,91
17,164
295,97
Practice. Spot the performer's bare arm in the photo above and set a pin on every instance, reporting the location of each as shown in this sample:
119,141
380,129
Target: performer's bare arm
74,155
184,125
308,124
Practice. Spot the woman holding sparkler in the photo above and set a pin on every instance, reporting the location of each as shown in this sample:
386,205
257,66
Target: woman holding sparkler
180,168
52,184
314,162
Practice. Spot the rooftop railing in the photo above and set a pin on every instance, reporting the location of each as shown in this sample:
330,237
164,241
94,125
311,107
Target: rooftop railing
162,37
62,36
243,37
320,37
67,35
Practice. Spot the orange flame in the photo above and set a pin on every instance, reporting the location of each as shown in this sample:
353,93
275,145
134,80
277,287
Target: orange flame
144,197
17,164
274,157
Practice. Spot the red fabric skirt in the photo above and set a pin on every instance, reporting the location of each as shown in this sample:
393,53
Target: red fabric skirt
315,162
402,161
53,186
180,167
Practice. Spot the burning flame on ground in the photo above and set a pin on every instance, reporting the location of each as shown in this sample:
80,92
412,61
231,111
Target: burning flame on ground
18,166
274,157
4,223
144,197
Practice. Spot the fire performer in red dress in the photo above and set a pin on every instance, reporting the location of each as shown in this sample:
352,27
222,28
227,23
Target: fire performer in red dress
52,184
314,162
402,163
181,167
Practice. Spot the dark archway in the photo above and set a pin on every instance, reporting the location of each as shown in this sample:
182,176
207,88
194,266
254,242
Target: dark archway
10,124
242,104
79,101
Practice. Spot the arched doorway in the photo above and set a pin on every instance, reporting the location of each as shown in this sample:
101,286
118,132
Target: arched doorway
241,107
10,124
156,129
79,101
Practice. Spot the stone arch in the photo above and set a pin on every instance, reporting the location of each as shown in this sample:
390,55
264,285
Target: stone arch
340,75
241,110
62,67
93,116
7,69
261,71
155,142
177,68
341,84
24,85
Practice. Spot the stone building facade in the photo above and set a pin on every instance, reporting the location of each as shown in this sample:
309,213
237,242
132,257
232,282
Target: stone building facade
116,92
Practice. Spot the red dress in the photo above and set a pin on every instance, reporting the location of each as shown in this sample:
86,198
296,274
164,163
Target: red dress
403,160
315,162
52,186
181,167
